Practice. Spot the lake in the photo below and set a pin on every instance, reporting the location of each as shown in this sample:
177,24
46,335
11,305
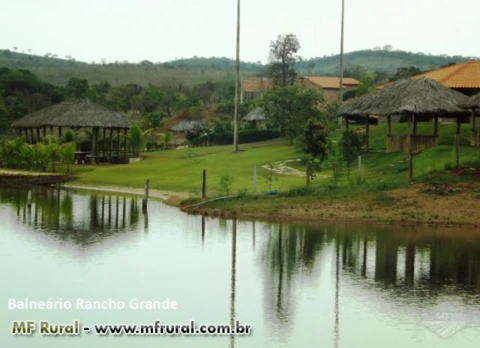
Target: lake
297,285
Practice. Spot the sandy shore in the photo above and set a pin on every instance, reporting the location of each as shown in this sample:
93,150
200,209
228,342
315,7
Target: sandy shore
405,206
170,196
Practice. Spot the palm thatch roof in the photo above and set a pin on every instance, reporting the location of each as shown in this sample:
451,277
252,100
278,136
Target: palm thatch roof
418,97
472,103
255,115
79,114
187,126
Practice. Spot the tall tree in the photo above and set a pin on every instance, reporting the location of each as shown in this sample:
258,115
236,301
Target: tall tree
282,59
288,109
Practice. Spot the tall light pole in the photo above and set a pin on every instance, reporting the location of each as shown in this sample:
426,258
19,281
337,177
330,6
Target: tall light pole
237,84
340,95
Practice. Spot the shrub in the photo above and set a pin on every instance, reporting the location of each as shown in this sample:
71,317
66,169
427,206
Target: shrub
226,182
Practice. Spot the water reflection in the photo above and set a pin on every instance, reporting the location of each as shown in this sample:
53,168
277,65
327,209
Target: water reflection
92,217
294,274
402,263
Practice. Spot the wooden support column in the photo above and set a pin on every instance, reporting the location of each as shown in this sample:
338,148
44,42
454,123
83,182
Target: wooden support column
38,134
111,146
51,131
389,125
414,125
457,141
94,145
118,144
367,130
59,131
125,143
435,129
410,149
44,131
347,123
474,140
104,143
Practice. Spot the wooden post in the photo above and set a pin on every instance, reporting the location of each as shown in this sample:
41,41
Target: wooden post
59,131
44,131
474,129
254,179
360,168
307,172
410,149
414,126
118,144
204,184
111,146
145,197
38,134
457,141
367,123
389,125
104,144
94,130
125,143
51,130
347,123
436,126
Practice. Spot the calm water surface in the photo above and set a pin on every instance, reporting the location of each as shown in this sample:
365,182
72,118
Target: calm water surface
298,285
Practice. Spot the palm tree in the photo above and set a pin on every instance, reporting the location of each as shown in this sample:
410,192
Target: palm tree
52,147
67,154
137,138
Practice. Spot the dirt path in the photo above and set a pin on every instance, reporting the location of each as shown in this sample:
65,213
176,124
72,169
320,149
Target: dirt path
282,168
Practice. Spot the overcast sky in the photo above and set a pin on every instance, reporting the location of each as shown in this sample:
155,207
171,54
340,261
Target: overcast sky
162,30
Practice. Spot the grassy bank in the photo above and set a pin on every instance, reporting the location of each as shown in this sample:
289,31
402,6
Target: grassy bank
347,196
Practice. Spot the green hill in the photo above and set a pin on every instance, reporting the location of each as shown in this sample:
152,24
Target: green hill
198,70
378,60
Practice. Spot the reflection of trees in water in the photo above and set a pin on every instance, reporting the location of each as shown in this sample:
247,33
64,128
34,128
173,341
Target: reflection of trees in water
411,262
69,216
290,251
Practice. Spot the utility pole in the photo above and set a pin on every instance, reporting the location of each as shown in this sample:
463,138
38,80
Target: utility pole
237,84
340,95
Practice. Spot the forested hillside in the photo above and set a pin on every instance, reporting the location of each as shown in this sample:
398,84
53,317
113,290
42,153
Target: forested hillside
197,70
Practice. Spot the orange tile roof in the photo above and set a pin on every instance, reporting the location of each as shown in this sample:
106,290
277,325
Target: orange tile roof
256,84
331,82
462,75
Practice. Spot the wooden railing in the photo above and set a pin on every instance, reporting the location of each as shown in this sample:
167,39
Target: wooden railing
419,142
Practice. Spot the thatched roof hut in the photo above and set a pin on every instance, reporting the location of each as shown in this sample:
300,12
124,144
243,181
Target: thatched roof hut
187,126
408,97
76,114
472,103
255,115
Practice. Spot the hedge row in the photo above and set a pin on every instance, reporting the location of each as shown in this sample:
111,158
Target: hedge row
244,137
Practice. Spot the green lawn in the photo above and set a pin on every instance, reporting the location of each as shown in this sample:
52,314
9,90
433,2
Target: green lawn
181,170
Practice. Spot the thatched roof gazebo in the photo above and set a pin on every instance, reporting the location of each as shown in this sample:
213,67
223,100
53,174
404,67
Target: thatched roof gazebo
473,104
415,99
255,118
75,115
